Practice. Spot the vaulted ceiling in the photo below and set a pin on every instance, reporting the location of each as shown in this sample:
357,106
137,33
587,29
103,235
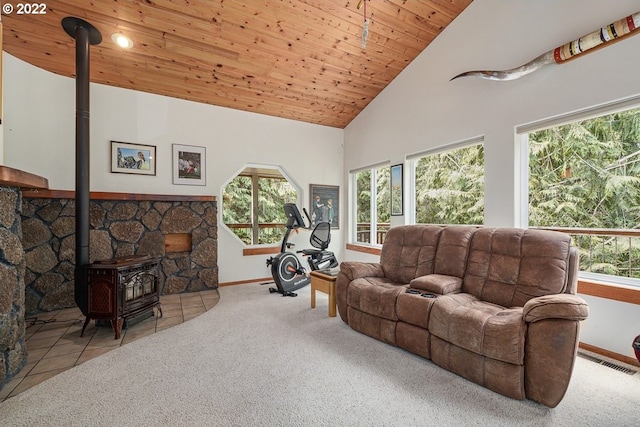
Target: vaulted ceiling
297,59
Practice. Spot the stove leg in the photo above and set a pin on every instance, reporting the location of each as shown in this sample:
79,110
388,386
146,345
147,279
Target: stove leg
159,307
116,324
86,322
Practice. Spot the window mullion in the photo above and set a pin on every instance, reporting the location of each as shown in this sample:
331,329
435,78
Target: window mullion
373,229
412,191
255,225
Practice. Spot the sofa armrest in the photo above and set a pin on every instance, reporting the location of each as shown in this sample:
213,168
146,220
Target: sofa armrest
350,271
557,306
553,329
355,270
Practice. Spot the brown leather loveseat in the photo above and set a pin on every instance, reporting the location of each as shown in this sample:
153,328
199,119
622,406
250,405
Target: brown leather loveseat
494,305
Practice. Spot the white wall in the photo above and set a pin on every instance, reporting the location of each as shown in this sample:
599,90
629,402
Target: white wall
422,109
40,138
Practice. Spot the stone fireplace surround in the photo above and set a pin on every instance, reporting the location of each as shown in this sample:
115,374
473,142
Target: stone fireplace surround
37,248
120,225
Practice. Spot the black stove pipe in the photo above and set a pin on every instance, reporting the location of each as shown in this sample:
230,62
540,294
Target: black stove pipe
84,34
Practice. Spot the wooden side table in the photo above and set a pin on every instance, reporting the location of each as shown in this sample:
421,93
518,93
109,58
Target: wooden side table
325,281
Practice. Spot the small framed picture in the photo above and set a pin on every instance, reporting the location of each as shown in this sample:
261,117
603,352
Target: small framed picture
189,165
138,159
325,204
397,198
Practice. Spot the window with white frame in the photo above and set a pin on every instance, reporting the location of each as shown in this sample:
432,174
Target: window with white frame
372,204
583,179
448,184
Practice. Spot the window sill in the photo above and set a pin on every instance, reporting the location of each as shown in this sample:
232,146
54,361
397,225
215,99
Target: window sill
610,291
367,249
268,250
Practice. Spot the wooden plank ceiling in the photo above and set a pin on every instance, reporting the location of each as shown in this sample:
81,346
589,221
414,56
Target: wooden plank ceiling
298,59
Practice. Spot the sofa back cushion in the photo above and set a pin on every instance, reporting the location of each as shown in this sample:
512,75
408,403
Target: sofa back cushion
409,251
453,249
509,266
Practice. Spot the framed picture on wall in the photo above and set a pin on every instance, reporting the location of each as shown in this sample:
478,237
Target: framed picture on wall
396,196
189,165
138,159
324,204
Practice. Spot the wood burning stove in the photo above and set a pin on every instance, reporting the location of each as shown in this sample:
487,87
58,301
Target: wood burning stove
122,288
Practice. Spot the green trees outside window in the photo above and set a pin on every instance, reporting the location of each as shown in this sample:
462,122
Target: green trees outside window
450,187
252,205
373,204
585,175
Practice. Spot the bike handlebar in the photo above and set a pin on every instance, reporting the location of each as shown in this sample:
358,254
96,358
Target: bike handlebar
307,215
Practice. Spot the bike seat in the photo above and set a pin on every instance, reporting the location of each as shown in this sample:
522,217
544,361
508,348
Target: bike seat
311,251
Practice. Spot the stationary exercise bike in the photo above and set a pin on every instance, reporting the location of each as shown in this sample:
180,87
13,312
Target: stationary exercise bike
286,270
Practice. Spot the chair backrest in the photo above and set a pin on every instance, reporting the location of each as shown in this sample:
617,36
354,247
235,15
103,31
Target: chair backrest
321,236
509,266
453,250
409,251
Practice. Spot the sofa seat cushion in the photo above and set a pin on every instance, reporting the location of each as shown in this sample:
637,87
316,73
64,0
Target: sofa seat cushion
375,295
479,326
437,283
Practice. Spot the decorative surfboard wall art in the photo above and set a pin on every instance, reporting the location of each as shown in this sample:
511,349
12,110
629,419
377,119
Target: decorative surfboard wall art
585,44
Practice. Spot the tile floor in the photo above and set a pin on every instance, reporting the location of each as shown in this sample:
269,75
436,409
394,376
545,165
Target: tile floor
54,343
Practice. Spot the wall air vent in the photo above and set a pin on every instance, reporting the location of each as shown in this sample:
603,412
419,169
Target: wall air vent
602,362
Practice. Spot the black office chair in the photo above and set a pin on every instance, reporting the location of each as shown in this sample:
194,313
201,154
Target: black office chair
320,258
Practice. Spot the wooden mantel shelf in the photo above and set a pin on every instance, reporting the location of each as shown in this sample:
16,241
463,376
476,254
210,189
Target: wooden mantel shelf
10,177
102,195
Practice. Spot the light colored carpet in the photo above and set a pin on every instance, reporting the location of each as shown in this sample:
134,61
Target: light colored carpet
259,359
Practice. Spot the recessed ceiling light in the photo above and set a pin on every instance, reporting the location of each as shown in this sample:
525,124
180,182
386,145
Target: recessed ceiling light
122,40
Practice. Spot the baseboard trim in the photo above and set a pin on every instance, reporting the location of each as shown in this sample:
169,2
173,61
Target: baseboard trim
242,282
610,354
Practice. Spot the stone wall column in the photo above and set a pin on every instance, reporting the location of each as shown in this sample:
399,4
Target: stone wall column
13,352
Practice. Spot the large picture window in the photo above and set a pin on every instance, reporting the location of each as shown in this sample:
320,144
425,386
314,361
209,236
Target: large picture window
584,180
